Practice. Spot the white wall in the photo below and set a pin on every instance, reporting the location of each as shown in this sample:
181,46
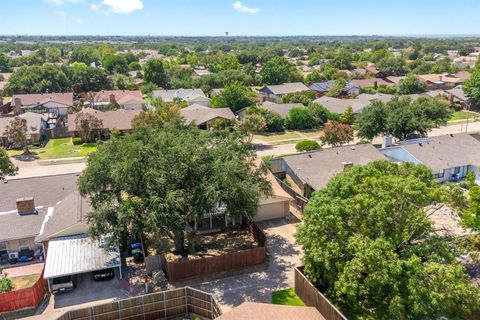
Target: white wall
52,105
399,154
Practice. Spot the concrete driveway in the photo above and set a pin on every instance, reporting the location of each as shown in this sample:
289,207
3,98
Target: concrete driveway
258,284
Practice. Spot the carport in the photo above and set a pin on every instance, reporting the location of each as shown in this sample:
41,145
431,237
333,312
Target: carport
78,254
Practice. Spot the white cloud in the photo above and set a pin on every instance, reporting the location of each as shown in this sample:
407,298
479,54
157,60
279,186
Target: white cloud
123,6
243,8
79,20
95,7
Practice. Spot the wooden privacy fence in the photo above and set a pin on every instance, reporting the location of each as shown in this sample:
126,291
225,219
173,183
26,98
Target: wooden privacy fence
184,269
314,298
161,305
24,298
299,201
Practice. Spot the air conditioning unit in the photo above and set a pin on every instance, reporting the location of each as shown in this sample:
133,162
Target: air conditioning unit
13,257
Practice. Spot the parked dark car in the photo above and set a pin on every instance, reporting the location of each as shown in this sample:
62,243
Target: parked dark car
105,274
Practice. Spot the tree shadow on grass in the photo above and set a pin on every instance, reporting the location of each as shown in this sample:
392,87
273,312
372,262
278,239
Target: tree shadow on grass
27,156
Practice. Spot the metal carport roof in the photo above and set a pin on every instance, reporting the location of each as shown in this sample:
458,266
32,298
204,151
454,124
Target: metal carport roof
78,254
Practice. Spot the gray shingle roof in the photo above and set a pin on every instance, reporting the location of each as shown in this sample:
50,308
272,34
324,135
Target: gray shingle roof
281,108
446,151
286,88
46,191
182,94
14,226
318,167
201,114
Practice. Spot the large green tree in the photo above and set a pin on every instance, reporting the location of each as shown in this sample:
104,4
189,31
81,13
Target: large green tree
401,117
472,86
411,84
38,79
278,70
370,246
154,72
156,181
234,96
7,168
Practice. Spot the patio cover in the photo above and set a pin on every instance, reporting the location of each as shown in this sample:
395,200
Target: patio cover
78,254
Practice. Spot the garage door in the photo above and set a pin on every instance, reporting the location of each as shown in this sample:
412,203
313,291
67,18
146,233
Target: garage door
270,211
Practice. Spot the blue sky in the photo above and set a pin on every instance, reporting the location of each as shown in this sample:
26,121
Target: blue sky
246,17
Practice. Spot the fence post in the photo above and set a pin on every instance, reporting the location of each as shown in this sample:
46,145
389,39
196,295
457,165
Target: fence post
186,302
165,304
119,312
93,313
143,309
211,306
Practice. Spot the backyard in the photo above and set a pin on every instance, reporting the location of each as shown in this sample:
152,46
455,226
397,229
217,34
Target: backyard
286,297
59,148
22,282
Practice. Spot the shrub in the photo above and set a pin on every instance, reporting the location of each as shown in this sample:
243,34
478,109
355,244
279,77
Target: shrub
307,145
77,141
6,284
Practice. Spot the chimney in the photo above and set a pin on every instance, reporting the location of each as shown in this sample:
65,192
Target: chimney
347,165
17,105
112,99
25,206
387,141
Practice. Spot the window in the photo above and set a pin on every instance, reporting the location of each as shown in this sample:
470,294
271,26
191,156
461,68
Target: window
439,174
24,244
3,247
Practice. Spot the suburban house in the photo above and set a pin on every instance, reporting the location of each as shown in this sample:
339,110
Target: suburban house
120,119
204,117
274,93
123,99
441,81
321,88
199,72
281,108
25,206
457,96
59,103
276,205
450,157
51,219
263,311
358,103
311,171
191,96
36,125
372,83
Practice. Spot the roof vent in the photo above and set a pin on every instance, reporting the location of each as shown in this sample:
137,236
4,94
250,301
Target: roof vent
347,164
310,156
451,135
352,147
420,144
25,206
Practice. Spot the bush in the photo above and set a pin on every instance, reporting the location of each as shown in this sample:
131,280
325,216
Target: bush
307,145
77,141
6,285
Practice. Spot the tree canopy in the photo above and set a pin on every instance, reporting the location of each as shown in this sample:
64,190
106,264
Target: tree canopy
7,168
371,248
472,86
278,70
234,96
411,84
401,117
154,72
156,181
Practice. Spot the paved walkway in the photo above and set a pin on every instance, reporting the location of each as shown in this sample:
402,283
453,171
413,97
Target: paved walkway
34,169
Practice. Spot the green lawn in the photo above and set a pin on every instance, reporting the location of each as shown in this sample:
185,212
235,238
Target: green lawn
313,133
59,148
272,137
286,297
463,115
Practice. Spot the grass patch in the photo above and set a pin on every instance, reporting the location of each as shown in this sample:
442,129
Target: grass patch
272,137
23,282
463,115
286,297
58,148
313,133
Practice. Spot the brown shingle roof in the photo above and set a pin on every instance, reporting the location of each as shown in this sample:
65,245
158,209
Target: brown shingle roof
120,119
35,99
201,114
120,95
265,311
